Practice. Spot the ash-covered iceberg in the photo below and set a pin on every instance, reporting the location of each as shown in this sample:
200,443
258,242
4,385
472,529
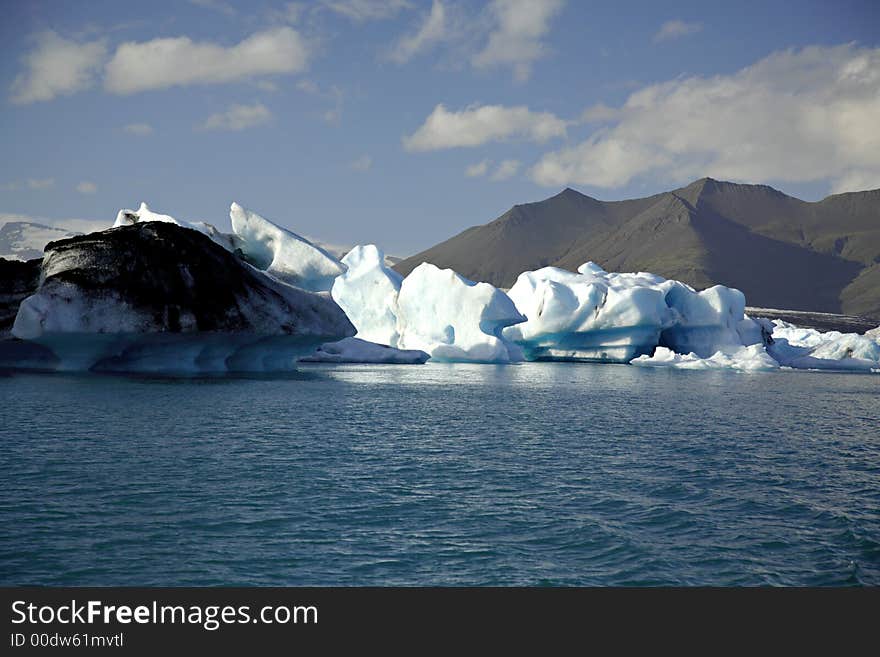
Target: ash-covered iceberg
282,253
153,296
589,316
453,319
367,292
268,247
144,214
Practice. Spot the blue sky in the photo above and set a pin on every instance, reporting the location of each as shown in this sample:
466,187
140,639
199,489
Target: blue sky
403,122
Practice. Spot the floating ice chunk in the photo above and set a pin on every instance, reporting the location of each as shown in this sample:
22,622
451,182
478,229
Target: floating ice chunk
453,319
282,253
806,348
707,321
367,292
746,359
355,350
591,315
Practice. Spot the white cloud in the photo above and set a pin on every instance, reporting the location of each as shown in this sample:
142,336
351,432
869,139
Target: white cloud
238,117
367,10
478,125
477,170
40,183
167,62
431,31
139,129
216,5
363,163
86,187
806,115
57,67
516,39
675,29
507,169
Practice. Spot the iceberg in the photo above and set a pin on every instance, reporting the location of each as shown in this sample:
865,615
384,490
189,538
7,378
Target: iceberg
805,348
453,319
588,316
707,321
152,296
283,254
144,214
367,292
355,350
270,248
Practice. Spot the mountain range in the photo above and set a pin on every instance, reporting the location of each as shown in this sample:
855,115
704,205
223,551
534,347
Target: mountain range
782,252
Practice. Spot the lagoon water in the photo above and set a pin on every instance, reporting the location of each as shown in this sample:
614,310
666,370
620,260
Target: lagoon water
531,474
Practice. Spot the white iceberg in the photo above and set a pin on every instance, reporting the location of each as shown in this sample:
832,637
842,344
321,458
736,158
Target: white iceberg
282,253
355,350
707,321
591,315
454,319
367,292
806,348
744,359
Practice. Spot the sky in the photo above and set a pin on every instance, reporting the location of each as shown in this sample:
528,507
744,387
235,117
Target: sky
403,122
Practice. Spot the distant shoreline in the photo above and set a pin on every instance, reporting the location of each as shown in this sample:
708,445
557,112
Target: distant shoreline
816,320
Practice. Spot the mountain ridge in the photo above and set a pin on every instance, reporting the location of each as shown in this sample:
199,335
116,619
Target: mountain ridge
779,250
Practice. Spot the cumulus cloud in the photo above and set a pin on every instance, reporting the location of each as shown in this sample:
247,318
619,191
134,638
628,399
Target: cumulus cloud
367,10
477,170
57,67
516,39
238,117
431,31
86,187
507,169
803,115
477,125
139,129
363,163
168,62
675,29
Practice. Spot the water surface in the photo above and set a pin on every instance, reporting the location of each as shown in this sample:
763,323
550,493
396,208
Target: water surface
535,474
